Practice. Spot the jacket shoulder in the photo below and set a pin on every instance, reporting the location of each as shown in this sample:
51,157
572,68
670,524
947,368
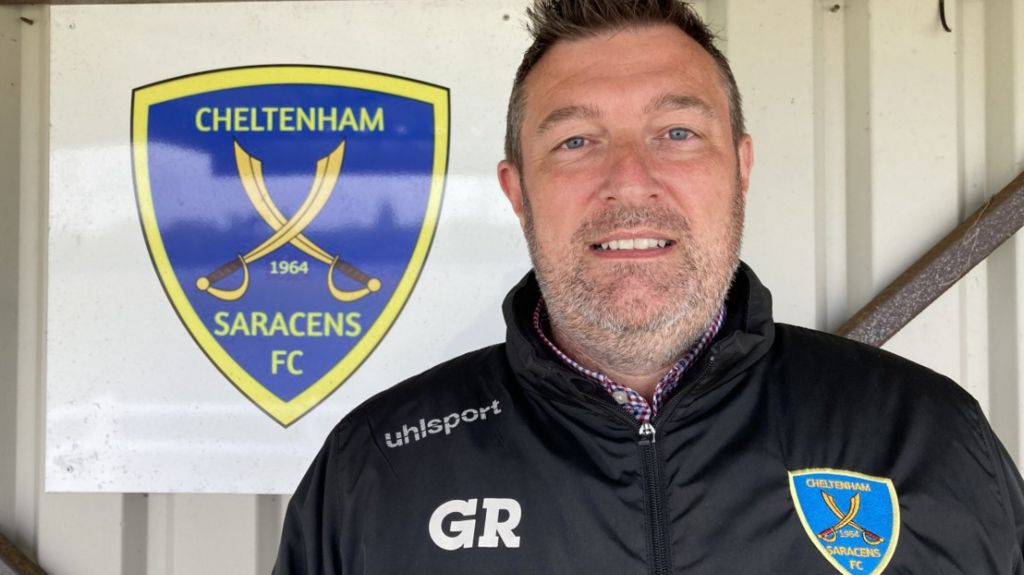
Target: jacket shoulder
835,364
358,442
846,405
460,382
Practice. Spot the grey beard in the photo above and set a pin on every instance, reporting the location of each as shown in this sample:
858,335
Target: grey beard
630,333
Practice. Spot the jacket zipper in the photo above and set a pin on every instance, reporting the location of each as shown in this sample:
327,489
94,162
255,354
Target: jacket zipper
654,502
651,468
661,563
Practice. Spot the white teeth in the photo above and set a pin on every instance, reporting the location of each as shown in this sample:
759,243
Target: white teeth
634,244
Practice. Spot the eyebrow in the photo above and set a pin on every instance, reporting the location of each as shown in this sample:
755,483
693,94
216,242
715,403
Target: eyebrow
668,102
566,113
664,102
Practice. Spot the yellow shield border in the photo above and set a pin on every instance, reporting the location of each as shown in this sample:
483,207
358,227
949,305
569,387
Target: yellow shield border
286,412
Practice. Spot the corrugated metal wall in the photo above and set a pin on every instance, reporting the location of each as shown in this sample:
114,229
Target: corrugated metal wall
875,133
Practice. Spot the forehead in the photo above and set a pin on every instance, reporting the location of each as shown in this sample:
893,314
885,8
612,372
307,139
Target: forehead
632,64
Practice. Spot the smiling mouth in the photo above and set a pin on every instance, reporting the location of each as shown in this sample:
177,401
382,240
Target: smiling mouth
632,244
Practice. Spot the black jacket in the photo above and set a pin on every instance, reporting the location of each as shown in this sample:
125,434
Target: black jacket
504,461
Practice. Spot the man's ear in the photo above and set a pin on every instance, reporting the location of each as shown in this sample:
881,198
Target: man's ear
512,184
745,157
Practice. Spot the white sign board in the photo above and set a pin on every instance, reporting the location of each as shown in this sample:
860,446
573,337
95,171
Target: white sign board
149,343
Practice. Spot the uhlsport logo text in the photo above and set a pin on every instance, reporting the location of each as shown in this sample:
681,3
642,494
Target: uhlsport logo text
439,425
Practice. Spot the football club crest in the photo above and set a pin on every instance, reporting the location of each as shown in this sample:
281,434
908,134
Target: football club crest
288,211
853,519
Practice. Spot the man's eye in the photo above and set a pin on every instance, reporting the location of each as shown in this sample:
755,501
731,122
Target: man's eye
679,134
574,143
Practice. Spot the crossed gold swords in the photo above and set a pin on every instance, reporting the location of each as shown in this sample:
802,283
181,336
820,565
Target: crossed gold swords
846,520
286,231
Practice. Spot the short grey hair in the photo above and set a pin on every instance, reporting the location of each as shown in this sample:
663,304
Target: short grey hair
551,21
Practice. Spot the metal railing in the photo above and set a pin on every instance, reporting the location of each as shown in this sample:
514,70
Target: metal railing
14,562
948,261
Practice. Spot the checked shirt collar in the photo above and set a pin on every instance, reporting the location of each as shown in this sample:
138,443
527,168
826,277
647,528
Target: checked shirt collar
630,400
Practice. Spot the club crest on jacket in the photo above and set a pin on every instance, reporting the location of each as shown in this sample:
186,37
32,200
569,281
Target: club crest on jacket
853,519
288,211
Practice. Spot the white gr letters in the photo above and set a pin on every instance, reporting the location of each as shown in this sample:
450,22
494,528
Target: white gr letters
501,517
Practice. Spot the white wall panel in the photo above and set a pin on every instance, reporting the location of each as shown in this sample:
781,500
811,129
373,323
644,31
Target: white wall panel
81,533
858,152
914,181
973,290
875,133
32,77
777,82
830,170
1004,158
214,534
10,118
1013,162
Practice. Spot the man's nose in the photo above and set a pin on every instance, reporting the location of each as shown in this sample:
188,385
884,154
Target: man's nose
630,178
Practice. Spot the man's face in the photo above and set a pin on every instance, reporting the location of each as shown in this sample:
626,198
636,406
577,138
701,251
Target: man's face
631,189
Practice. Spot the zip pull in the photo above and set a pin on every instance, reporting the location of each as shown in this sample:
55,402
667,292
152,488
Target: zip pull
647,434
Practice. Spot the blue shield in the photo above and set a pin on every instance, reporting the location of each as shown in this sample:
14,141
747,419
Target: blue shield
288,211
853,519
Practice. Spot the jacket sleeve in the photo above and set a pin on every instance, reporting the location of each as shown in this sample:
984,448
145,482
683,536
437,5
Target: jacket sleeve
311,533
1011,487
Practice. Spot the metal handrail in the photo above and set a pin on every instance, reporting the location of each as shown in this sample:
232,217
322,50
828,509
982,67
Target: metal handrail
14,562
948,261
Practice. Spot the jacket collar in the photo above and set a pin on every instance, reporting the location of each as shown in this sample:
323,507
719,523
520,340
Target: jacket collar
746,336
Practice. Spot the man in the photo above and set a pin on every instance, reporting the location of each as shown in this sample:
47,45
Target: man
645,414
